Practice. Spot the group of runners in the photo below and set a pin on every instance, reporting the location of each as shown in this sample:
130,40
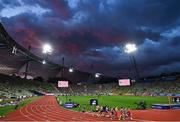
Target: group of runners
113,113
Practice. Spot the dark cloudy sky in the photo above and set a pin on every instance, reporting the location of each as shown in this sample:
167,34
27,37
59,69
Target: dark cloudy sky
90,32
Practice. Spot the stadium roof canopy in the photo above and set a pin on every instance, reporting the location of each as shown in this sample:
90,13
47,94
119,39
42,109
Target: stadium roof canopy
14,57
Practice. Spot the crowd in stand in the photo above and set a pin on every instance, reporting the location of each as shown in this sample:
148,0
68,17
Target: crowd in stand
11,86
87,89
16,87
153,88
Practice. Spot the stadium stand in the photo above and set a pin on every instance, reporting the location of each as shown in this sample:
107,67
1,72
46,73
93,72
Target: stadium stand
152,88
13,86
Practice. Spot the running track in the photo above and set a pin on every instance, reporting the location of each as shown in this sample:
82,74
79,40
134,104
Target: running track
47,109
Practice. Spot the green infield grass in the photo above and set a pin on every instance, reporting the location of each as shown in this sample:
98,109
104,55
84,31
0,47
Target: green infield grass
6,109
113,101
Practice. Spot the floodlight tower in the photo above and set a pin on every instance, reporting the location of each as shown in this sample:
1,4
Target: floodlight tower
97,75
44,62
130,48
71,69
27,63
46,50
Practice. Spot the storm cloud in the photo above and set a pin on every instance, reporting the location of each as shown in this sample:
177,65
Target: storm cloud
93,32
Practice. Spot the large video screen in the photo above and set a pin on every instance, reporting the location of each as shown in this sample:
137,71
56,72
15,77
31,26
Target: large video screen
63,83
124,82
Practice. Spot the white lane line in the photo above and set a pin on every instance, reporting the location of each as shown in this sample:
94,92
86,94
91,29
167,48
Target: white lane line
80,115
52,111
26,115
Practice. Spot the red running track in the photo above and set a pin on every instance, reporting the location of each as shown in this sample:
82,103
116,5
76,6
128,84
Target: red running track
47,109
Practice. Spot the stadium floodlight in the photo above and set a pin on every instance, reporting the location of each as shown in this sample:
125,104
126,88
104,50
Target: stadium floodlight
44,62
97,75
47,49
130,48
71,69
